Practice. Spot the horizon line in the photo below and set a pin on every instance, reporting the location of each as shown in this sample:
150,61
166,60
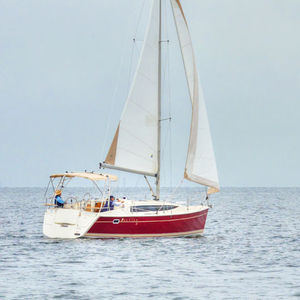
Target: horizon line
164,187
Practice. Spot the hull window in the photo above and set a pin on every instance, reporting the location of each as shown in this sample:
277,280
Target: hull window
144,208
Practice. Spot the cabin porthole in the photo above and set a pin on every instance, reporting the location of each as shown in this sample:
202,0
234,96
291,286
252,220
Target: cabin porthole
116,221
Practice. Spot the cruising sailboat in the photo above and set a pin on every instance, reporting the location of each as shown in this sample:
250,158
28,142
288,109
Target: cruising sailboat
136,148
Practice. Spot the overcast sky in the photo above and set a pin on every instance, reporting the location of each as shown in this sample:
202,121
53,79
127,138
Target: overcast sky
65,73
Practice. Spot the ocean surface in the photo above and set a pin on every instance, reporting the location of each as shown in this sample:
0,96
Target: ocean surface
250,250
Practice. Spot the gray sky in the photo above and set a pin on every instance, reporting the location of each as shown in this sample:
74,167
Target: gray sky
65,65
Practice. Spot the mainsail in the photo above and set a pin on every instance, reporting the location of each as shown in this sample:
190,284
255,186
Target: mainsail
135,144
200,164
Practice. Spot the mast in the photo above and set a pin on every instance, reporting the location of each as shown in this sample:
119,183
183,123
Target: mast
157,196
136,146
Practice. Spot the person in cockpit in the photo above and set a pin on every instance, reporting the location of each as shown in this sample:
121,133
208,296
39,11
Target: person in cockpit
58,199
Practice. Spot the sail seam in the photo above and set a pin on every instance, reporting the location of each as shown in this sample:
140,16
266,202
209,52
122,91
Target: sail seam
134,136
145,110
144,75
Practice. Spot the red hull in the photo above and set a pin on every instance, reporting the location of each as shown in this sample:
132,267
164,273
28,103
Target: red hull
169,225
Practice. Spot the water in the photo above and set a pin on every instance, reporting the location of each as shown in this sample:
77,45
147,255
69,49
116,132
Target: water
250,250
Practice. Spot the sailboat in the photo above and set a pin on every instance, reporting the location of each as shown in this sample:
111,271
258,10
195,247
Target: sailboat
136,148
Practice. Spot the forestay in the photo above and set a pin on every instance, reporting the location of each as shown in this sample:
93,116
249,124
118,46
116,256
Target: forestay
135,143
200,164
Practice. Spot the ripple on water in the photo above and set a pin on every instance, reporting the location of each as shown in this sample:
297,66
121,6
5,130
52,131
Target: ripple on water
250,247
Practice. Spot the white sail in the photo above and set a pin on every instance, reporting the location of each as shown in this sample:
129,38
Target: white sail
200,164
135,143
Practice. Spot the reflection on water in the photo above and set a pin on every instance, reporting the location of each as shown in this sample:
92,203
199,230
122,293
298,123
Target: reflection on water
250,250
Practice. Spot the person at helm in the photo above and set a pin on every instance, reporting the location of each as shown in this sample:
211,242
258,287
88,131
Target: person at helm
112,200
58,199
109,205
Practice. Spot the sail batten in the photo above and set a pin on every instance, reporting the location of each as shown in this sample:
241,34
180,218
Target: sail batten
200,163
135,145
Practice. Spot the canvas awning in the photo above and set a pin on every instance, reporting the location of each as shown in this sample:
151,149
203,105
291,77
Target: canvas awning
91,176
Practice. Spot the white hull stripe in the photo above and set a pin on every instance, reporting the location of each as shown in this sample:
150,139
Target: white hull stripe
110,235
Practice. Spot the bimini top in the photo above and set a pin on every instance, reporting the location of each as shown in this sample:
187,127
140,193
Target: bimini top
91,176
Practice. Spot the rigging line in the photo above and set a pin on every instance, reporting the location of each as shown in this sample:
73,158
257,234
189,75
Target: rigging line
112,102
167,81
165,136
138,179
168,89
139,18
130,65
175,190
45,194
109,116
170,114
134,44
166,21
